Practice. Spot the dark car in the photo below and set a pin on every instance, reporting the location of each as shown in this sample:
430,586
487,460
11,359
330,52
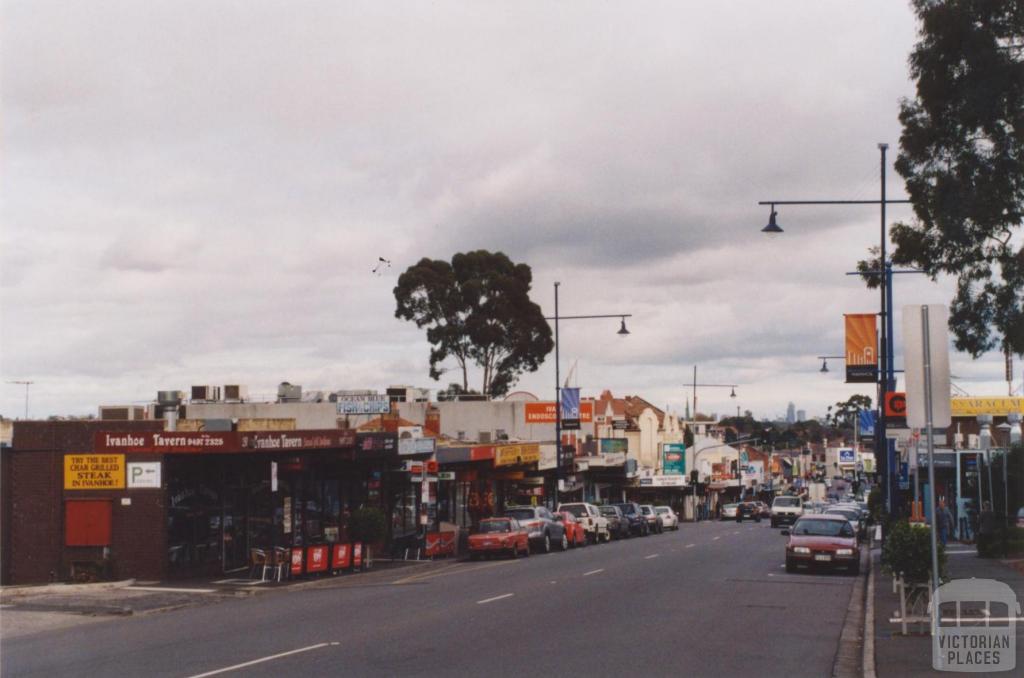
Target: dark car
618,526
544,531
637,522
748,510
822,541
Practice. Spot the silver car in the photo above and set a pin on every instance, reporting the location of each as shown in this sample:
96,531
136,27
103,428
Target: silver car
669,519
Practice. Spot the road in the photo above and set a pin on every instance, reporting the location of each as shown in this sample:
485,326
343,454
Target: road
710,600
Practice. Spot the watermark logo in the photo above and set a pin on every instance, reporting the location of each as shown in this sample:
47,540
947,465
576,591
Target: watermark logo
974,624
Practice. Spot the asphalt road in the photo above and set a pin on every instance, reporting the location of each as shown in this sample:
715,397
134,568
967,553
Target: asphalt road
710,600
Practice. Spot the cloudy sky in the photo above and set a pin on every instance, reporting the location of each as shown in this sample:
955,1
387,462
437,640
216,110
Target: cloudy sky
197,192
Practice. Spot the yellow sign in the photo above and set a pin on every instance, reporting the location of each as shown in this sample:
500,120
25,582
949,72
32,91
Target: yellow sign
998,406
507,455
93,471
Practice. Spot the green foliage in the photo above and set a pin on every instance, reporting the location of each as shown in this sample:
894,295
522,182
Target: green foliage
367,524
477,310
907,551
688,437
876,505
962,158
845,413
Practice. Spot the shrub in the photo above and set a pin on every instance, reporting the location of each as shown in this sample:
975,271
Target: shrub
1001,543
907,550
367,524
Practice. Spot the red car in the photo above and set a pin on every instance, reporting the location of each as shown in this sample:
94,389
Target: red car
574,530
499,535
822,540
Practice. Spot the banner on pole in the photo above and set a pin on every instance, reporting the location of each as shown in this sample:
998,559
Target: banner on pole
570,408
861,348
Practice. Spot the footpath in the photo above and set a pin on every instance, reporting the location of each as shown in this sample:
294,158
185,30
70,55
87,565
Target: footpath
34,609
901,656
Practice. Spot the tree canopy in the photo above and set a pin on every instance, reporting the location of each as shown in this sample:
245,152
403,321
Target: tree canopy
962,158
476,310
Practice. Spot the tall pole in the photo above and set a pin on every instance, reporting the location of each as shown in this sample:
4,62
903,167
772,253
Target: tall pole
881,442
26,384
695,393
933,504
558,412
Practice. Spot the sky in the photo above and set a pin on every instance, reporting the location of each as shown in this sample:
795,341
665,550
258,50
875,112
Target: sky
199,192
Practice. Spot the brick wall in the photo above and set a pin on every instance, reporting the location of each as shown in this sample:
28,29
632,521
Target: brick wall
33,525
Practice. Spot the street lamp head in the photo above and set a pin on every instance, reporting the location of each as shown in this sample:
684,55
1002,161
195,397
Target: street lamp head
772,228
622,330
733,394
824,365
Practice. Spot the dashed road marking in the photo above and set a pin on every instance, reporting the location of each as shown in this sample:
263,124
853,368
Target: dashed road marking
491,600
587,574
161,589
690,546
653,555
715,538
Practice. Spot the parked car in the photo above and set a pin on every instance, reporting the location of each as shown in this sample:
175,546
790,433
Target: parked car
595,524
637,522
851,514
669,519
543,529
763,509
654,523
729,511
503,536
1020,517
822,541
618,526
574,530
747,510
786,510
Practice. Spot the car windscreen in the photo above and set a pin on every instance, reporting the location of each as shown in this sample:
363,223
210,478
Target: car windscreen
787,501
495,526
577,510
646,510
848,514
627,509
822,528
608,511
521,514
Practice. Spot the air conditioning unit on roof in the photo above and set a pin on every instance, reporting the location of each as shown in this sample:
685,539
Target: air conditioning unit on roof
205,393
236,393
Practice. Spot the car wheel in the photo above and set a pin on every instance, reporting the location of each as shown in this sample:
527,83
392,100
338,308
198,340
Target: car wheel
547,543
526,551
564,544
474,556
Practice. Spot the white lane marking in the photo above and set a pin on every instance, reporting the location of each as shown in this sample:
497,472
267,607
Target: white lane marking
554,582
169,590
587,574
736,532
715,538
491,600
653,555
690,546
260,661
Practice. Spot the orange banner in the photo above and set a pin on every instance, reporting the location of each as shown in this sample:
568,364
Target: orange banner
861,348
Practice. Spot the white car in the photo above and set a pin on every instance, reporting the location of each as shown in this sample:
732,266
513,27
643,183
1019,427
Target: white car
669,519
786,510
595,525
729,511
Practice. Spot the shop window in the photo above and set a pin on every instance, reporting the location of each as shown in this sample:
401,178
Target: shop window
87,523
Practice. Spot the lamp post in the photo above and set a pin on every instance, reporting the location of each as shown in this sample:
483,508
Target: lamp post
558,387
694,384
885,378
825,358
696,466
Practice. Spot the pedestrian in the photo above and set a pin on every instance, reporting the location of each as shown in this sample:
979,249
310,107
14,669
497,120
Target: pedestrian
944,522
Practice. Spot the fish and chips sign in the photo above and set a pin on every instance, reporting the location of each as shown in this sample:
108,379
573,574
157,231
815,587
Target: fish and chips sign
94,471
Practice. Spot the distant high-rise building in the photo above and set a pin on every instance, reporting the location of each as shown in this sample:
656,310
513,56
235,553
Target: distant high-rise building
801,415
791,413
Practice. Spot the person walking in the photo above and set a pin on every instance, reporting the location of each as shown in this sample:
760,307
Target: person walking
944,522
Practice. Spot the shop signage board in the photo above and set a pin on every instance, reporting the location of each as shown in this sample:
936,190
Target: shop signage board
861,348
620,424
847,455
407,446
94,471
673,458
972,407
507,455
668,480
144,475
364,404
446,475
186,442
614,446
544,412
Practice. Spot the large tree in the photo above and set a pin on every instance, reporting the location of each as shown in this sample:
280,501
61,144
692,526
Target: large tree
476,310
962,157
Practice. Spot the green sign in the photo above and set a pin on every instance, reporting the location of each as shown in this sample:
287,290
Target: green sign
446,475
673,459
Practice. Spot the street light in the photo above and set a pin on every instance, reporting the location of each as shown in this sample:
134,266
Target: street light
886,381
558,387
825,358
694,384
696,466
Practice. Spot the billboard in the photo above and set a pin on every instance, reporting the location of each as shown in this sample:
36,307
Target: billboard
673,458
544,412
861,348
364,404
